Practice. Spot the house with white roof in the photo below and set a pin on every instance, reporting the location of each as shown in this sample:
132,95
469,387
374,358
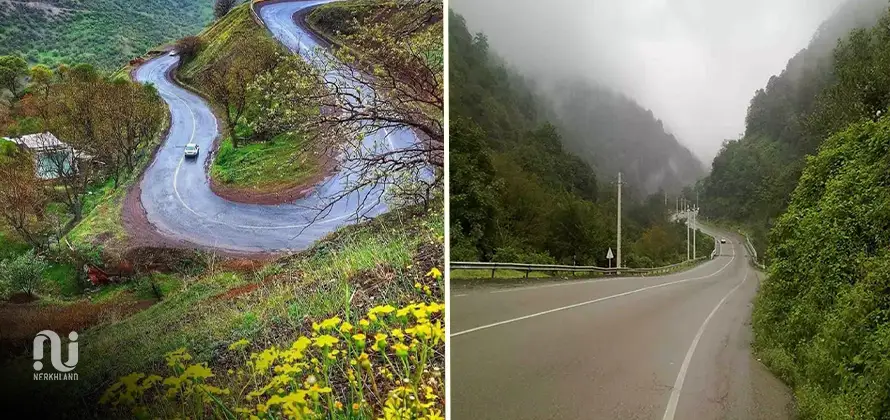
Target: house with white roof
54,158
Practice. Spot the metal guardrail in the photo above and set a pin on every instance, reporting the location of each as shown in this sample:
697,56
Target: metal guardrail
528,268
753,253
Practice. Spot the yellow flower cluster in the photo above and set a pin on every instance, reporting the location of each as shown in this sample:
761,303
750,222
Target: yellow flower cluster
387,365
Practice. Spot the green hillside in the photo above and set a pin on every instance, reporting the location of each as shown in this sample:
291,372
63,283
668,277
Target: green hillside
518,194
822,320
105,33
823,88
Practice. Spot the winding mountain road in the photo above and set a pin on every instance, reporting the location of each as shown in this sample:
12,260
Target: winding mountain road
176,194
667,347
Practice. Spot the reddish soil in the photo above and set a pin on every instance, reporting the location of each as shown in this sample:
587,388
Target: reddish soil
19,323
243,290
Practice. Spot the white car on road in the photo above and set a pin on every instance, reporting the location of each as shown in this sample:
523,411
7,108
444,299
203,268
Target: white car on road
722,240
192,150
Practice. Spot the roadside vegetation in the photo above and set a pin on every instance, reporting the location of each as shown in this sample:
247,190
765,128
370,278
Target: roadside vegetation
518,195
822,319
809,182
110,126
393,261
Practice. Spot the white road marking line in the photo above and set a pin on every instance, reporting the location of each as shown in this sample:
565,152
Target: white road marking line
460,295
547,286
213,220
681,376
496,324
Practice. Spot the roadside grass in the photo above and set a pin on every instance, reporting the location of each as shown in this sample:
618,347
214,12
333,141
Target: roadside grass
278,164
103,224
382,261
63,279
222,36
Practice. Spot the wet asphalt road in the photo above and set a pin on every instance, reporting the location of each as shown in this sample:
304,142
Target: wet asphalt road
176,194
668,347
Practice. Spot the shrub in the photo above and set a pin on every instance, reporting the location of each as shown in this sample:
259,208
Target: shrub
822,318
189,47
23,273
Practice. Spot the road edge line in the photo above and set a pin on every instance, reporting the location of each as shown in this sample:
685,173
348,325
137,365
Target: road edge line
550,311
674,400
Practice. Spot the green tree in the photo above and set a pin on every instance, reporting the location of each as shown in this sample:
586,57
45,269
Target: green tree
23,273
12,70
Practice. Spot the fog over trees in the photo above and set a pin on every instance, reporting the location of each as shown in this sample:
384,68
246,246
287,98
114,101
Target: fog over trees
695,63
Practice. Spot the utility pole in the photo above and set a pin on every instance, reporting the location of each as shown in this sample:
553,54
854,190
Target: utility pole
694,216
618,250
686,214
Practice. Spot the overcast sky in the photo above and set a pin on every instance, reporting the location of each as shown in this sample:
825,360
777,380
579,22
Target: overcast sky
694,63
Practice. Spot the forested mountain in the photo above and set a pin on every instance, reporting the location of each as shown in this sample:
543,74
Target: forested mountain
517,194
613,133
811,176
823,88
105,33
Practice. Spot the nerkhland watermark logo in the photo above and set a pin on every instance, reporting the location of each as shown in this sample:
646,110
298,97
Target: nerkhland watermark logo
63,368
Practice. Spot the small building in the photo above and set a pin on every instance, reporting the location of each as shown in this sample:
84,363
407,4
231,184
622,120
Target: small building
54,158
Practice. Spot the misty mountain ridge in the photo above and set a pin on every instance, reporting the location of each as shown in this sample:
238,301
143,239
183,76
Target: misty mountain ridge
607,129
612,132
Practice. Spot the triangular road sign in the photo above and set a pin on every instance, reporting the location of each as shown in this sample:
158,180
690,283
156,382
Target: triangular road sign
609,255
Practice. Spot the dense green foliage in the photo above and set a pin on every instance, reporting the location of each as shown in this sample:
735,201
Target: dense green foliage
105,33
516,193
824,88
23,273
822,320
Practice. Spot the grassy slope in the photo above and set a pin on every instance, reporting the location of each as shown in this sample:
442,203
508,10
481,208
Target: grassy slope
276,165
355,268
106,33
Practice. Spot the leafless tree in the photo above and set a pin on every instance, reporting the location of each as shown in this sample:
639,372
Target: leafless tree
228,79
189,47
222,7
22,196
394,86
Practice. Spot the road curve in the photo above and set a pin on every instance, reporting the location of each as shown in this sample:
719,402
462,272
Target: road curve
176,194
668,347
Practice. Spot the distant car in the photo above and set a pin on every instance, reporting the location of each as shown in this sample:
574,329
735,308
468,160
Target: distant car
173,53
722,240
191,150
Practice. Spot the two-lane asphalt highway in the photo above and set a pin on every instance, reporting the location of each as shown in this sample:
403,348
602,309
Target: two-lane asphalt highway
667,347
176,194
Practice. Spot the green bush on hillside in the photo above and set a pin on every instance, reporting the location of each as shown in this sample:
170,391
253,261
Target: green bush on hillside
822,320
22,274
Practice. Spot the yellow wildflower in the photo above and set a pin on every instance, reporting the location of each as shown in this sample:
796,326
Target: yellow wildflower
325,341
239,345
346,328
434,273
330,323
